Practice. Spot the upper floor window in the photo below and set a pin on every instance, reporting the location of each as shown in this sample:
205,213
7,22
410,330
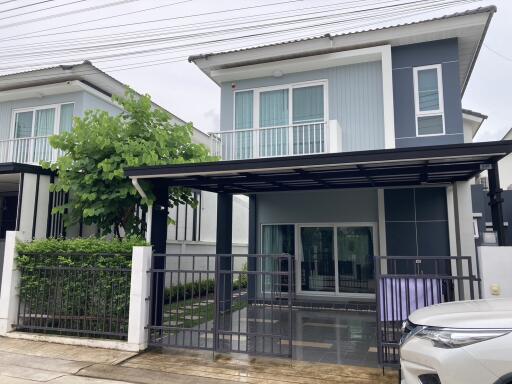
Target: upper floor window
43,121
287,119
428,95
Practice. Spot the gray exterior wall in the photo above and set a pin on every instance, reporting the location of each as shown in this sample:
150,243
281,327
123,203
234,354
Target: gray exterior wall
444,52
82,101
355,101
332,206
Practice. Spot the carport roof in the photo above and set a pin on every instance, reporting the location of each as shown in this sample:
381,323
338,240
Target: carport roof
23,168
362,169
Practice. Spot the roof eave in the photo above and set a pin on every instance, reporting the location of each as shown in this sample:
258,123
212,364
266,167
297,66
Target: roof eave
492,11
328,44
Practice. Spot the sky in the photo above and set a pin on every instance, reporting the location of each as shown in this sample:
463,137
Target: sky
70,31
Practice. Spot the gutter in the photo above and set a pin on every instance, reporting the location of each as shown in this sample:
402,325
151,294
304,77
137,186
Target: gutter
149,216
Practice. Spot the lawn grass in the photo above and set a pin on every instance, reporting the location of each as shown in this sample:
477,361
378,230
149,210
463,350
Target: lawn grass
175,313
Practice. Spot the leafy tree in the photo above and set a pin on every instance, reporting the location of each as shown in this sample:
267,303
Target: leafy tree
98,149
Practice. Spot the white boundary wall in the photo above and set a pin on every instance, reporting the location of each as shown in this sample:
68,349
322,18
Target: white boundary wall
495,271
138,312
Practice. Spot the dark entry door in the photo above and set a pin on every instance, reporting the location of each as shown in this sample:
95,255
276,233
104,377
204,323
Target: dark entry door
9,208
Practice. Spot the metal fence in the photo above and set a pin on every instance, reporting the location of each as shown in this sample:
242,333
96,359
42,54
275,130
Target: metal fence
405,284
223,303
75,294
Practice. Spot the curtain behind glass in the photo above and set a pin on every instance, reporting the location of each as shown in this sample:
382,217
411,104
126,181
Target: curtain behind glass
243,120
274,112
66,118
276,239
308,104
45,122
44,126
243,110
308,113
428,91
23,124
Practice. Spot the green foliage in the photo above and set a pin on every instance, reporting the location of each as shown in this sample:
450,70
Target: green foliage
203,288
182,292
89,246
79,284
99,148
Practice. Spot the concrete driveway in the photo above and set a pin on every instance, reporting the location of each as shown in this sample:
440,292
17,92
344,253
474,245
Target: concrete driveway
32,362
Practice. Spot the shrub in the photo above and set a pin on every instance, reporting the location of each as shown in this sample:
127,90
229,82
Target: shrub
79,284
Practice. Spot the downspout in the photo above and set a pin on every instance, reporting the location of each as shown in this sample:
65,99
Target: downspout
149,216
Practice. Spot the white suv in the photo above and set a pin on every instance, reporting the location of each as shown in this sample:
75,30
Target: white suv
463,342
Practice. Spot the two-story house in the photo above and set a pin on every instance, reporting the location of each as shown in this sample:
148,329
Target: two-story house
350,147
37,104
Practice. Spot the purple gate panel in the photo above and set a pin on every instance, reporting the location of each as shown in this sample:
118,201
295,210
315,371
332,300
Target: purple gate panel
399,297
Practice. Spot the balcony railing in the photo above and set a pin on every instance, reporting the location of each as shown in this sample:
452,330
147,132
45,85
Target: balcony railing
27,150
289,140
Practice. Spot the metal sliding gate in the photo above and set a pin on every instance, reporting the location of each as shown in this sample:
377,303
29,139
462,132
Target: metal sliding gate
405,284
222,303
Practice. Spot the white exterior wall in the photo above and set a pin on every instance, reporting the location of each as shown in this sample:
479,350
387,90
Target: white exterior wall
28,201
2,249
495,269
505,168
207,225
28,196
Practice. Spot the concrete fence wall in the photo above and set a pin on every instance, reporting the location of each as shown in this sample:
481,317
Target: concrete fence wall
495,271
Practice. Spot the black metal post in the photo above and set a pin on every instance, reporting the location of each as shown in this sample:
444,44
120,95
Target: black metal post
252,249
224,248
159,242
496,203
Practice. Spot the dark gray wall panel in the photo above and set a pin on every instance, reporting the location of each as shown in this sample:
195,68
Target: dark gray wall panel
433,238
429,140
419,228
405,58
432,52
399,205
401,239
431,204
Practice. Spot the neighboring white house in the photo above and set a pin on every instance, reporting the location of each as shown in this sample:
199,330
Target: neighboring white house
471,121
505,166
37,104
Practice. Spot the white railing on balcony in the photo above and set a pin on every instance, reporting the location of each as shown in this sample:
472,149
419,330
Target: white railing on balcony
289,140
27,150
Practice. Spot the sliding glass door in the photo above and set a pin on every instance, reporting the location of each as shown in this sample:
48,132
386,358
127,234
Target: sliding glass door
317,263
336,259
355,259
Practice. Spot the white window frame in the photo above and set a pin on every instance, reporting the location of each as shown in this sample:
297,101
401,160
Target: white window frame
438,112
298,254
56,123
290,87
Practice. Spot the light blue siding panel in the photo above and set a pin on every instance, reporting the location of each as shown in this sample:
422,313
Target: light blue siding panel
82,102
7,107
355,100
360,112
94,102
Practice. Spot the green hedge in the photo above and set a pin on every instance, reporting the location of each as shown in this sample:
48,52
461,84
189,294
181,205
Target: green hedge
78,284
182,292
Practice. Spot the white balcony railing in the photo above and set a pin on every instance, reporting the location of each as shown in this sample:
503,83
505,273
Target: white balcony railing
290,140
27,150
